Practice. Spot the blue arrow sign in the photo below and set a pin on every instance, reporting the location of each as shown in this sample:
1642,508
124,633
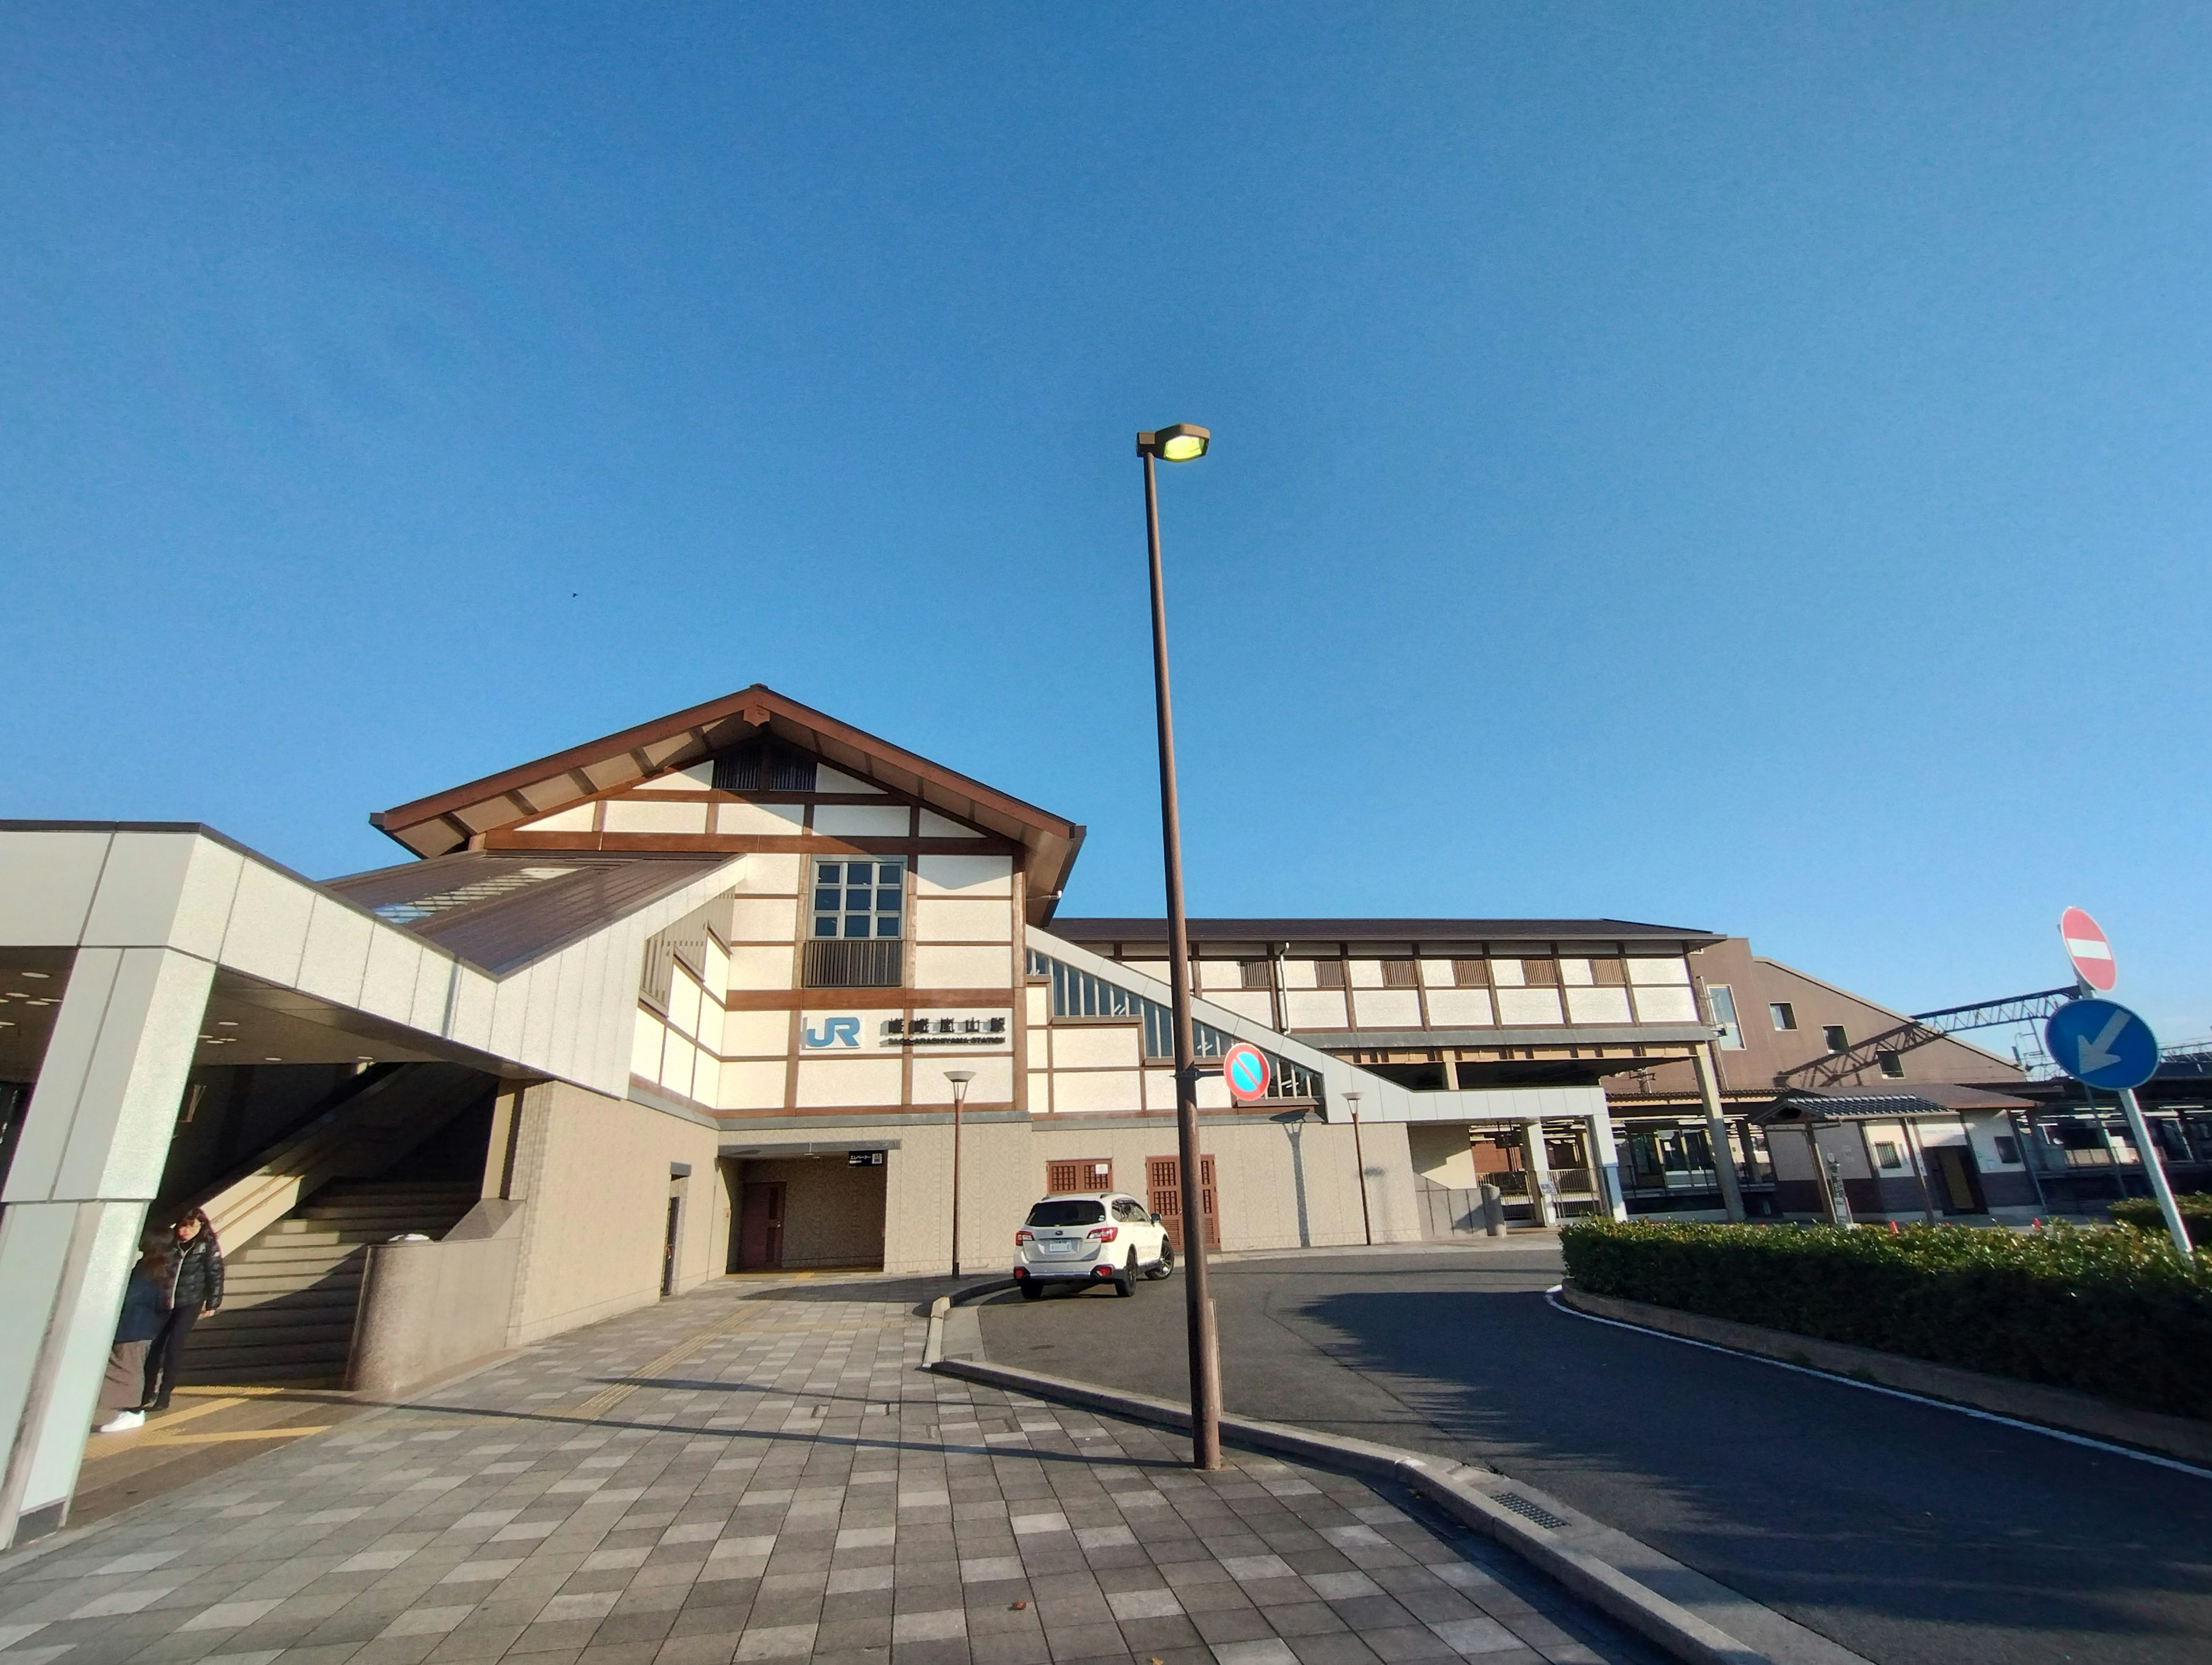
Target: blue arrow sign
2102,1045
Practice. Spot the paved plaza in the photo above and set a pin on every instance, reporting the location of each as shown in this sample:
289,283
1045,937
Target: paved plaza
756,1473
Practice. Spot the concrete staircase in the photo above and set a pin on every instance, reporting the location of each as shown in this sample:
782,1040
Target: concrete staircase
289,1295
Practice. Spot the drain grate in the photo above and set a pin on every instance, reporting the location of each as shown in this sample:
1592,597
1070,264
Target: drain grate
1528,1511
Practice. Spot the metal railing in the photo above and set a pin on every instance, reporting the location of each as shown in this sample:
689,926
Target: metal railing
857,963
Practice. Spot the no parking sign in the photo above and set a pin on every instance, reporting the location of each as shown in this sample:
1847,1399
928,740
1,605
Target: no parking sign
1244,1067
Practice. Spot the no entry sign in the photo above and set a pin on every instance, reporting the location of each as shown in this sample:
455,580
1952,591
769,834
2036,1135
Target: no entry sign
2087,947
1244,1067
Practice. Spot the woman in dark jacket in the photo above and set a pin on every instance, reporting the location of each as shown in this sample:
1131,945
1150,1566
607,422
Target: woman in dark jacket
195,1289
136,1325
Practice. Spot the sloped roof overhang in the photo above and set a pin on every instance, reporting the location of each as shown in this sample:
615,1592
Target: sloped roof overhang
448,820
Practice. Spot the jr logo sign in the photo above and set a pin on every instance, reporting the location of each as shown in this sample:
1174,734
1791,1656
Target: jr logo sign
834,1032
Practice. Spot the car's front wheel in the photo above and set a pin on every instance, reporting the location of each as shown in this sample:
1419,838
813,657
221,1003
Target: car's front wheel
1166,1266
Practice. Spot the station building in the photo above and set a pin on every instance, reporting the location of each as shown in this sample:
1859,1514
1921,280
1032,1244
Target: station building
689,1000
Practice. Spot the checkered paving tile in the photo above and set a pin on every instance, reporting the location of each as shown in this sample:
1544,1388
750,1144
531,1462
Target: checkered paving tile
750,1474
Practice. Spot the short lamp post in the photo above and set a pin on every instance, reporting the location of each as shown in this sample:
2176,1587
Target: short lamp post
959,1079
1182,443
1359,1158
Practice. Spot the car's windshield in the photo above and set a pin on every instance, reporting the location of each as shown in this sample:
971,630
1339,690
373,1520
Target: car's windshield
1067,1213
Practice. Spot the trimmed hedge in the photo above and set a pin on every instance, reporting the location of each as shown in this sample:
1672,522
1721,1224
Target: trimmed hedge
2117,1314
2141,1213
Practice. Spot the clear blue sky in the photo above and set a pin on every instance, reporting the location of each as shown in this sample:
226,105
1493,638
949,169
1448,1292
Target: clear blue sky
1742,466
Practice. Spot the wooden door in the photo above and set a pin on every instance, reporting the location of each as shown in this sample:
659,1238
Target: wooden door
1163,1192
1084,1174
760,1225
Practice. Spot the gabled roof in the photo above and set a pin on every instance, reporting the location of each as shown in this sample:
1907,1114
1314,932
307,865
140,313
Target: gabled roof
446,821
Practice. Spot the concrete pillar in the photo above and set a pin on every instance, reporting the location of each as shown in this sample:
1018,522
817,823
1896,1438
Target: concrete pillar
1716,1133
1605,1164
88,1161
1540,1173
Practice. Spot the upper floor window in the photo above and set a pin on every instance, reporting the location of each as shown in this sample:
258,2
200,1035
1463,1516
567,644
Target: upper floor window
1833,1035
1783,1014
1723,1001
1892,1065
859,898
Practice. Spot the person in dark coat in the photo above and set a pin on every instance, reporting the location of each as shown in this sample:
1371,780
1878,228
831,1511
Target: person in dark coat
195,1290
136,1326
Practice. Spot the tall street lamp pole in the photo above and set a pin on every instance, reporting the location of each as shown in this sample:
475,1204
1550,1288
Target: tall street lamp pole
1182,443
1359,1158
959,1079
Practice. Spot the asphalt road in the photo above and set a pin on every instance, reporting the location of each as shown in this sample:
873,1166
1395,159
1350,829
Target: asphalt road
1909,1534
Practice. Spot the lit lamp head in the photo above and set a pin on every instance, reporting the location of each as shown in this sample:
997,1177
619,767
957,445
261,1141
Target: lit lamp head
1184,442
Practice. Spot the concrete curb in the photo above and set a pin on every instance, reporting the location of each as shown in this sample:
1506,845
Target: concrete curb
2021,1402
1500,1509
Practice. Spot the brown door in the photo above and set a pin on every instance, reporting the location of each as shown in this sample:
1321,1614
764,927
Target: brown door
760,1225
1084,1174
1164,1189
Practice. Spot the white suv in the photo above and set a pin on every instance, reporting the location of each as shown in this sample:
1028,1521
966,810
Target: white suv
1090,1237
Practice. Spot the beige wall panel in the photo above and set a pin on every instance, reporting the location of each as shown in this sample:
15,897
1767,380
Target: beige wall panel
755,919
268,924
1576,973
1388,1008
1212,1090
1000,1178
962,968
1090,1091
697,778
1040,1084
683,1000
1598,1005
1039,1000
833,1212
629,815
1507,974
577,818
473,999
964,875
717,966
752,1086
510,1009
336,951
1318,1008
760,968
1439,973
1459,1007
1253,1003
827,1083
1365,974
650,1040
595,1173
827,779
861,820
707,1081
762,821
993,1084
757,1034
1666,1005
1156,970
1299,974
1160,1090
771,872
1657,970
1215,974
1099,1045
387,983
934,825
963,921
1440,1154
677,1062
1527,1005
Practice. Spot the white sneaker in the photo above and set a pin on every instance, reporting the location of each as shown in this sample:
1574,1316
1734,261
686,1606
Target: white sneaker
124,1422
